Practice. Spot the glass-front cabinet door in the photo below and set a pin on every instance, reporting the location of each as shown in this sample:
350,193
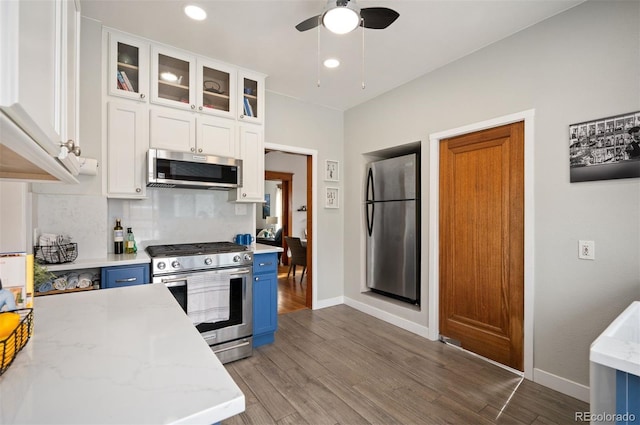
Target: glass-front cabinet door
216,88
173,78
251,95
128,67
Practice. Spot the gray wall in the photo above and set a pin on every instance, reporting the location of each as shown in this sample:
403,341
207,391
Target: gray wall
294,123
581,65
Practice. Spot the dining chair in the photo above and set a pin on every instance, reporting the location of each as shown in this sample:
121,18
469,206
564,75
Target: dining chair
298,256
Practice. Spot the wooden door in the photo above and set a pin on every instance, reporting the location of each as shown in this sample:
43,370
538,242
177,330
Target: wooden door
482,242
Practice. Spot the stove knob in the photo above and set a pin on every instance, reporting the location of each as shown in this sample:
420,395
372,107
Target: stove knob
236,259
247,257
161,265
175,264
208,261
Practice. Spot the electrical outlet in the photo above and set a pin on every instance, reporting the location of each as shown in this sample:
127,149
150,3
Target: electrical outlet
587,250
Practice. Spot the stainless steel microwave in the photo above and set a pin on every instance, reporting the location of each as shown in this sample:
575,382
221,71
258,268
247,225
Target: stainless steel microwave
188,170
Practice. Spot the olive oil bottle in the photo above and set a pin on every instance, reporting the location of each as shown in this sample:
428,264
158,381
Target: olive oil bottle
130,243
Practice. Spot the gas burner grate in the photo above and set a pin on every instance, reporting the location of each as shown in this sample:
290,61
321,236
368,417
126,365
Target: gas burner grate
175,250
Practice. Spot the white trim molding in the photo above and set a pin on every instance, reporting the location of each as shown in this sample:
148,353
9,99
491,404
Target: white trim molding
388,317
560,384
434,206
314,211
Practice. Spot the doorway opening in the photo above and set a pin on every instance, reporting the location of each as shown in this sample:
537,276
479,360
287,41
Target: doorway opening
289,171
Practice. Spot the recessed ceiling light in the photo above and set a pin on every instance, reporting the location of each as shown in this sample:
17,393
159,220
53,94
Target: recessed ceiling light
332,63
195,12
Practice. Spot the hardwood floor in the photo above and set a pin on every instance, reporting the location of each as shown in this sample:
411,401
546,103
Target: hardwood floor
340,366
291,295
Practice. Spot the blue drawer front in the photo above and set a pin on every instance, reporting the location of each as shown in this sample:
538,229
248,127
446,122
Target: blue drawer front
116,277
265,263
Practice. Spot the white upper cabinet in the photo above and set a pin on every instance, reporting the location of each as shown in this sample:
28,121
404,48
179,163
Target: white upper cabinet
128,74
173,78
251,96
252,155
216,92
38,86
172,130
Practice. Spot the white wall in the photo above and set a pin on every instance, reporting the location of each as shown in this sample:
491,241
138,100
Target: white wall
577,66
294,123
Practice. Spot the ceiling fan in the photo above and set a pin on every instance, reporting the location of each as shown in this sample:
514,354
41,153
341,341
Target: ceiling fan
343,16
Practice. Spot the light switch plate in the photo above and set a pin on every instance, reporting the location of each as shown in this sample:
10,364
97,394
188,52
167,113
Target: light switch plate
587,250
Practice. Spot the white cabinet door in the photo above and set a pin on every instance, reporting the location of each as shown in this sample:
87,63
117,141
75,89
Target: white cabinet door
216,94
251,97
35,37
127,145
216,136
172,130
252,155
128,74
173,78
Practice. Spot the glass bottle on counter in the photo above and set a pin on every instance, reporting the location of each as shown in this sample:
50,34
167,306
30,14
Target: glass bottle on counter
130,244
118,238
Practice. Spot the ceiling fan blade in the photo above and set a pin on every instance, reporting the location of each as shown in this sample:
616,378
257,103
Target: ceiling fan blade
378,18
308,23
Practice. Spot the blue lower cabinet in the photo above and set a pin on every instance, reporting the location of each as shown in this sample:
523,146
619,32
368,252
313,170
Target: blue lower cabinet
119,276
627,398
265,298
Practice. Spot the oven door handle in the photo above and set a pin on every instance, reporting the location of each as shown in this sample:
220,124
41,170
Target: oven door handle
221,350
174,282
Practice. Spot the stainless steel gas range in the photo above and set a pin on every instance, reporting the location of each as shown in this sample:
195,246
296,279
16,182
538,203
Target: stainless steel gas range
212,282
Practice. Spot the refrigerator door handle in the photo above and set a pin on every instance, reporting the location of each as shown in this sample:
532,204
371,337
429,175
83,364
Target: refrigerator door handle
370,208
370,186
370,205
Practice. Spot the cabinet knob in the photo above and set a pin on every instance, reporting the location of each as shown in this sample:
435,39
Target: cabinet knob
193,149
200,150
200,108
138,190
193,106
142,95
241,117
257,278
244,195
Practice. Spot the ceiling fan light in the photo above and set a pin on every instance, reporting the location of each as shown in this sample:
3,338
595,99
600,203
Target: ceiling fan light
195,12
341,19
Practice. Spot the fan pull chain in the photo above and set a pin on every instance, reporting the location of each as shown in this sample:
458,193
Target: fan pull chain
362,24
318,64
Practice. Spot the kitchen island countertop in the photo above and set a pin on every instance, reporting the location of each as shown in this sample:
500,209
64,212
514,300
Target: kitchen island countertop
266,249
117,356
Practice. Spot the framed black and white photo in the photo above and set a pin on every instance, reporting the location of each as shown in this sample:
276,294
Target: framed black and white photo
332,197
332,171
606,148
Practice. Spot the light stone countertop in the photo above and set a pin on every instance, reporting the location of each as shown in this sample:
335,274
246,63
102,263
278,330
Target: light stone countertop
140,257
266,249
618,347
116,356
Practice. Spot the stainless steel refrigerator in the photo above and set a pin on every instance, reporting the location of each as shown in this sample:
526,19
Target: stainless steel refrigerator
392,210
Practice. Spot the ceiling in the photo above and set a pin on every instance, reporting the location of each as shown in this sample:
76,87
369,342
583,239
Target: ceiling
260,35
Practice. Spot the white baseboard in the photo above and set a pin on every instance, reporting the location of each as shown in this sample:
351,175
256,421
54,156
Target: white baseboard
328,303
388,317
560,384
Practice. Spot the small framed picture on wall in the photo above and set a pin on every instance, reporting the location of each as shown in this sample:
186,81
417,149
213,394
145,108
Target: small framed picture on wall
332,171
332,197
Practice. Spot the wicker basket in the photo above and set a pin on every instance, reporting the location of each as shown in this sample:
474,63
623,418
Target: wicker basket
10,346
56,254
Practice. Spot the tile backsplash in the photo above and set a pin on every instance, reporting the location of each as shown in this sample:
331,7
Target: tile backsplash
166,216
180,216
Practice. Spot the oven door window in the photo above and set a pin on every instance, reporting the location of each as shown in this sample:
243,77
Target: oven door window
235,308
